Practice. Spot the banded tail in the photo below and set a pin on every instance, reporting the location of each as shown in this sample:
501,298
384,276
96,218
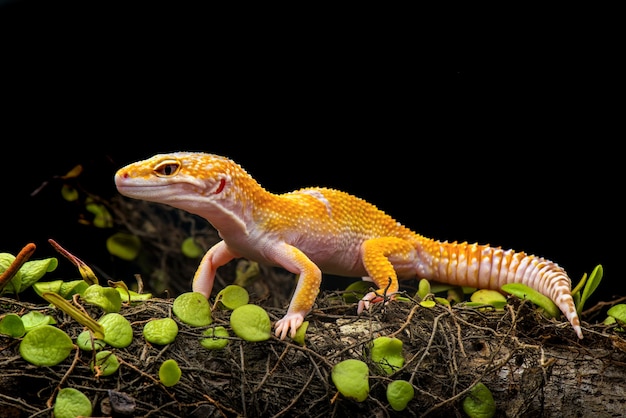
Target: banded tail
486,267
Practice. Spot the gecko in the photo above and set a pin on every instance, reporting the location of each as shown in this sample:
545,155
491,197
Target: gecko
317,230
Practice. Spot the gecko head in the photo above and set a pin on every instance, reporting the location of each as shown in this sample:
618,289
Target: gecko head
185,180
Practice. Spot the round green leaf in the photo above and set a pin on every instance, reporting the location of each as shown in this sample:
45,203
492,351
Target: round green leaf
161,331
11,324
84,342
479,403
399,394
301,333
423,288
106,298
46,346
191,249
193,309
124,246
387,352
53,286
118,332
34,319
71,288
233,296
618,312
489,297
355,291
106,363
33,270
72,403
217,338
251,323
351,378
169,373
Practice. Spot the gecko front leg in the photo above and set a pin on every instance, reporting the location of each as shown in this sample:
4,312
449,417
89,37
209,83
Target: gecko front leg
309,279
217,256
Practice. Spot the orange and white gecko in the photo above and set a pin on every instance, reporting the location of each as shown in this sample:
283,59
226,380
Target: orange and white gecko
315,230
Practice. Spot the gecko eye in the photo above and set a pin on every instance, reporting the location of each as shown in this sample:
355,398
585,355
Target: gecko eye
167,168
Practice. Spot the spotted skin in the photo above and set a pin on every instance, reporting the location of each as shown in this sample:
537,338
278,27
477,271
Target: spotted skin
320,230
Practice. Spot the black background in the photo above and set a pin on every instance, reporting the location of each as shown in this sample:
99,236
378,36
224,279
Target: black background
501,130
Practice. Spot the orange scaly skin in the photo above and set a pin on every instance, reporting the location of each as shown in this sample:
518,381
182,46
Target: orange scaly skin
315,230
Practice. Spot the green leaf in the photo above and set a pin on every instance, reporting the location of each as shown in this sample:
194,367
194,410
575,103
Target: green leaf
46,346
193,309
233,296
106,363
117,330
399,394
251,323
34,319
161,331
618,312
78,315
34,270
356,291
69,193
387,352
191,249
169,372
479,403
423,289
106,298
132,296
53,286
301,333
524,292
85,341
217,338
73,287
72,403
351,378
11,324
489,297
124,246
592,284
102,216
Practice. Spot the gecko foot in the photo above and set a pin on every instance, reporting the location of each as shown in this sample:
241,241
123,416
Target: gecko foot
289,323
372,297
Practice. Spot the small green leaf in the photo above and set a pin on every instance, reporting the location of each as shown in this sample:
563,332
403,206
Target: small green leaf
301,333
169,372
233,296
356,291
124,246
251,323
524,292
618,312
102,216
479,403
399,394
73,287
117,330
489,297
387,352
217,338
106,363
161,331
11,324
106,298
69,193
34,319
193,309
423,288
86,342
351,378
34,270
132,296
191,249
46,345
592,284
53,286
72,403
245,272
428,303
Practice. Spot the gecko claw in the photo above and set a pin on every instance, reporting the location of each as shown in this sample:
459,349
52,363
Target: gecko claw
364,303
288,324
